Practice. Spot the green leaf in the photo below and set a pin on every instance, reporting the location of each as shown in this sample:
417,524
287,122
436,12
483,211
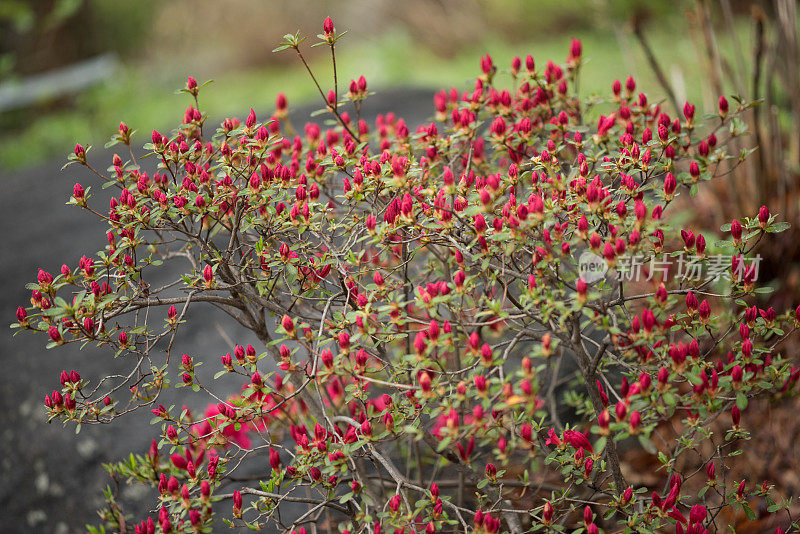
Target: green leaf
741,401
600,444
778,227
646,444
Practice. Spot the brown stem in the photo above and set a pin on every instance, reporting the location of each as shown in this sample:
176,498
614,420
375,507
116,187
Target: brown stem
656,66
589,377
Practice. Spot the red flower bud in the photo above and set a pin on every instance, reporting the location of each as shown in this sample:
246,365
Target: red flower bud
480,383
237,503
80,153
394,503
288,325
78,192
723,106
635,421
425,382
54,334
694,170
688,111
763,216
736,231
697,514
575,50
621,411
704,310
344,341
711,471
547,513
22,315
173,485
691,301
735,415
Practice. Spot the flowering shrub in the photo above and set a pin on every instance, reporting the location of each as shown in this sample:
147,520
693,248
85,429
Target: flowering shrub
461,338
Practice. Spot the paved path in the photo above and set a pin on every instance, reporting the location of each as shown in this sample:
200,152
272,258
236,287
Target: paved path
52,478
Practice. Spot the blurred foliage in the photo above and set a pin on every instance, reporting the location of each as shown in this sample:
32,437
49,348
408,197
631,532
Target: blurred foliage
415,42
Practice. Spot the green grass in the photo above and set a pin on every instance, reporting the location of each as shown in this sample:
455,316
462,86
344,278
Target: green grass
145,98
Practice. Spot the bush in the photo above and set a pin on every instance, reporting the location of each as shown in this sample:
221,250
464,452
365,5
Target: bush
471,327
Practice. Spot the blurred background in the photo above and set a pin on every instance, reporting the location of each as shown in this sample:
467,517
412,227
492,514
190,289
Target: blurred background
134,54
71,70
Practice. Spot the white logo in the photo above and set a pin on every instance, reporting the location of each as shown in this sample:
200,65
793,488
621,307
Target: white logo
591,267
